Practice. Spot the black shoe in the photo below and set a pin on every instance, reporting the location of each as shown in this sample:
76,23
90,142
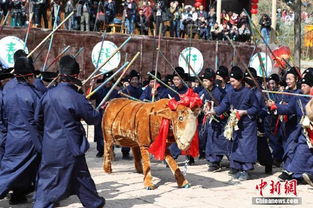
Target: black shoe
99,154
268,169
277,163
308,178
202,156
191,160
17,199
243,176
126,157
232,172
285,176
214,168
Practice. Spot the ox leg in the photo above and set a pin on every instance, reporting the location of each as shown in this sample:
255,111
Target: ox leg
137,159
180,179
107,156
146,168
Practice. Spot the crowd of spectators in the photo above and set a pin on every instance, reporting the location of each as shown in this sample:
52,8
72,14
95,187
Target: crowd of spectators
145,17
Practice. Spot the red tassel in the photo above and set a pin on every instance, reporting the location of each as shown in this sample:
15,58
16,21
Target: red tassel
157,148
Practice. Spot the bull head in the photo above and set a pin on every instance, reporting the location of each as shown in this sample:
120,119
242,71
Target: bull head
184,124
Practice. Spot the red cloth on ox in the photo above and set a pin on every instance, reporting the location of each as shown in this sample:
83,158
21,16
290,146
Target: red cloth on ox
310,133
157,148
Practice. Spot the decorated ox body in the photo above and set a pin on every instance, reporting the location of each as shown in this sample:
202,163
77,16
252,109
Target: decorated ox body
137,124
309,109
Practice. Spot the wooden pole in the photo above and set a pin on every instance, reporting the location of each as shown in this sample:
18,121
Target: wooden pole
218,11
274,16
297,33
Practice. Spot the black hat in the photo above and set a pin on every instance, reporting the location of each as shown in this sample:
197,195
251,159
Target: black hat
307,79
68,65
180,72
223,72
105,76
294,71
274,77
308,70
48,76
19,53
208,74
153,73
236,73
5,75
252,71
133,73
168,78
23,66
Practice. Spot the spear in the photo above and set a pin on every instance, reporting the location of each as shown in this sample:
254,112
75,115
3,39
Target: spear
56,58
51,33
169,63
4,21
118,80
288,93
266,44
107,80
51,39
106,61
28,29
129,97
79,51
163,83
157,60
39,53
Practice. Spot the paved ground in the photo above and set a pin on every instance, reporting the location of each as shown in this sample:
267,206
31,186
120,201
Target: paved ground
124,188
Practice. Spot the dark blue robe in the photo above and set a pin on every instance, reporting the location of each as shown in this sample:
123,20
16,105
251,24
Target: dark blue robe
2,129
133,91
20,161
63,170
98,96
244,145
294,112
216,144
263,150
161,93
40,86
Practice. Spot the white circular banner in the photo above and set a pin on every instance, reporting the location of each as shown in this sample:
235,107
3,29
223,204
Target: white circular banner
8,46
267,63
194,56
105,52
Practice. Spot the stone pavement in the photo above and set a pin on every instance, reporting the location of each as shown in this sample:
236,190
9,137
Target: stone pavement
124,188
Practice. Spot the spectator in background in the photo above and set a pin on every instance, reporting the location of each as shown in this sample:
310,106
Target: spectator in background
216,32
130,15
83,11
234,33
148,11
266,23
110,10
18,14
203,27
4,5
244,33
175,19
69,7
141,23
211,20
55,11
40,10
225,32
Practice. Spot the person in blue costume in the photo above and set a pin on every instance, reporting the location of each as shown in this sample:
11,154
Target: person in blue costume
63,169
244,145
287,120
263,150
3,131
179,87
271,120
216,145
160,93
298,154
98,97
222,78
133,89
21,159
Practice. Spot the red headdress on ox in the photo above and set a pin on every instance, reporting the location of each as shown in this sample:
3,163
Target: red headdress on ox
158,147
280,56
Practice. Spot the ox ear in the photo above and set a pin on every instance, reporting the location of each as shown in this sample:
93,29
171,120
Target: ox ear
165,113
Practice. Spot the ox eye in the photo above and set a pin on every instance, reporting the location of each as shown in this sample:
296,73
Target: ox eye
180,118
